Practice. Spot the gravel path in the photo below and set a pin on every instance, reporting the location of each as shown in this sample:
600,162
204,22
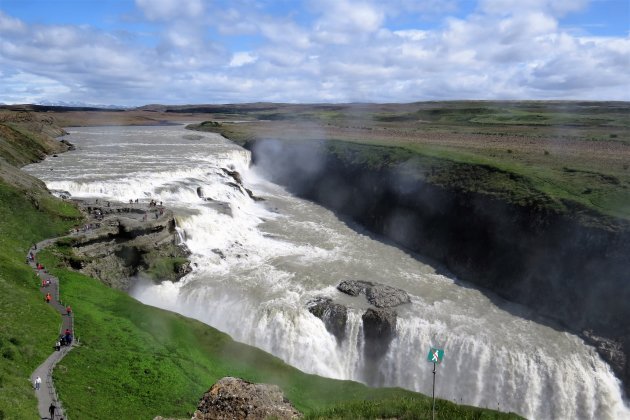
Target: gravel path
47,395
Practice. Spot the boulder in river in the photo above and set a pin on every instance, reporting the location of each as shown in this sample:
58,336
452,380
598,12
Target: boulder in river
379,328
379,295
383,296
234,398
354,287
334,315
235,175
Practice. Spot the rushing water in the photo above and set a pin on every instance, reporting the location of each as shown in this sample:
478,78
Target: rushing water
259,263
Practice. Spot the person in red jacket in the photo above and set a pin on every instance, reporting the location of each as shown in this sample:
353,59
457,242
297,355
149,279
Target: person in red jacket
68,310
48,298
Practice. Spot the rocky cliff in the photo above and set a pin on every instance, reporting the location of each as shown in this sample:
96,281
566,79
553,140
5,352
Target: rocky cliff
121,241
560,264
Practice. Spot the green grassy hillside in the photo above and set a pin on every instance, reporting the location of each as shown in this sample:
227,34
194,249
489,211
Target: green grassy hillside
28,328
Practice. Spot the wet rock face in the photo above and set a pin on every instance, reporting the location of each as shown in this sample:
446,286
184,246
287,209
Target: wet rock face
234,398
379,328
354,287
334,316
379,295
120,245
615,352
379,323
383,296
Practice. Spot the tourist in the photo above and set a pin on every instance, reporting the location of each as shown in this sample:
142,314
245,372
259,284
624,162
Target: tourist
68,310
48,298
38,382
51,410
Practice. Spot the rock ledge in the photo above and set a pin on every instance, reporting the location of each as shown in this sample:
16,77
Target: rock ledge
235,398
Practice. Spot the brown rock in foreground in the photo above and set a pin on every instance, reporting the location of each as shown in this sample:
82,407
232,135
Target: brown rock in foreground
234,398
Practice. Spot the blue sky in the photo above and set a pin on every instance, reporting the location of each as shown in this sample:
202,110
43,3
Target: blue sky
130,52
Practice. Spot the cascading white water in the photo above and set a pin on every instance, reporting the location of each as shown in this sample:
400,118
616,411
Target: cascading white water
259,264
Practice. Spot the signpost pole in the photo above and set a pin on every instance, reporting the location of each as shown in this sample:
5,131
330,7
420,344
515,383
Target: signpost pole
433,416
435,356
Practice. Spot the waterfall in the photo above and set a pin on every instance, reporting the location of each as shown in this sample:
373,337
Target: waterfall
258,265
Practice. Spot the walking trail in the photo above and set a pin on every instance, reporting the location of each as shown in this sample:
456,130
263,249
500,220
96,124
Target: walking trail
47,394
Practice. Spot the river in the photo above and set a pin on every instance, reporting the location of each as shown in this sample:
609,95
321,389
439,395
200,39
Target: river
258,264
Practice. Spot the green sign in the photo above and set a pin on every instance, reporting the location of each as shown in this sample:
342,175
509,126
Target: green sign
435,355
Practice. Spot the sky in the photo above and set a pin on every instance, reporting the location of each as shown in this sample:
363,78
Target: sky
130,53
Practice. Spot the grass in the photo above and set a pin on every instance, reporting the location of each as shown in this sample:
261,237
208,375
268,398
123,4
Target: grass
406,408
164,267
29,327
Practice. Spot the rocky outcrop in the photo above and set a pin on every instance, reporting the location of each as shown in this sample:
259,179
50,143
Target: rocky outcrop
354,287
238,184
379,325
334,316
562,265
68,144
379,295
233,398
379,328
614,350
123,241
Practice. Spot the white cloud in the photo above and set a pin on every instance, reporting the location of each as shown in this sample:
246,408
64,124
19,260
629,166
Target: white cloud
554,7
9,25
28,88
343,52
242,58
166,10
342,21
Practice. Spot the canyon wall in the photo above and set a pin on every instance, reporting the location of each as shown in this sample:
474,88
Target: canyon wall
570,271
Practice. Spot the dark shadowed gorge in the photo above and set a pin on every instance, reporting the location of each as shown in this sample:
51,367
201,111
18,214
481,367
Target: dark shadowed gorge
488,217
